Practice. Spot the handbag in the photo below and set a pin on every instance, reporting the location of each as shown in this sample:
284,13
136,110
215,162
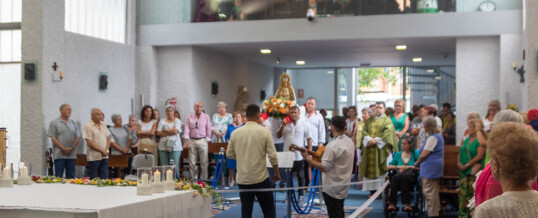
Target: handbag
170,143
147,145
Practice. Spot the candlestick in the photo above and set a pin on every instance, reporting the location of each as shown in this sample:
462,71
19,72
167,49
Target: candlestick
5,173
145,179
514,65
24,171
169,175
157,177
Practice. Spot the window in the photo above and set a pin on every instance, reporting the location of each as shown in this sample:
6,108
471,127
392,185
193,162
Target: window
10,46
10,11
104,19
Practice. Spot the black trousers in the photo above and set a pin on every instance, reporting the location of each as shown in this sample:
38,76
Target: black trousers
403,182
335,206
265,199
298,167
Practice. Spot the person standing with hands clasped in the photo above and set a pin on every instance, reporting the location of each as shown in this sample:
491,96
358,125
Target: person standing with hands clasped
336,165
250,145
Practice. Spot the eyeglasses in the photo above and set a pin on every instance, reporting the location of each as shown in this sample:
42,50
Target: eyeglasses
196,125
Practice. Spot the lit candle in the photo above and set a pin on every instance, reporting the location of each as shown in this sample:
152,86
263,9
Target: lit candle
61,74
145,179
514,65
24,171
157,177
169,175
5,173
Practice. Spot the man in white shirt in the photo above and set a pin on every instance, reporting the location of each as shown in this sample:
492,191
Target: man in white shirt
316,125
336,165
296,132
273,125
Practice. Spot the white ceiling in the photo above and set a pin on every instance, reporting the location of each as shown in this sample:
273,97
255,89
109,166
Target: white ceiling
439,51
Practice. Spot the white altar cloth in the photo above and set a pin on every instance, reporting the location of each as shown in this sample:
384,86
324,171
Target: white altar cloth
73,200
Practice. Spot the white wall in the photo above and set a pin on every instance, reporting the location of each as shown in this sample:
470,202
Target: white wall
511,90
531,61
81,59
316,83
473,5
186,74
478,77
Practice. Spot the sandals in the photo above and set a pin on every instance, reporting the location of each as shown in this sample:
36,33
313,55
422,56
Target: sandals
391,207
408,208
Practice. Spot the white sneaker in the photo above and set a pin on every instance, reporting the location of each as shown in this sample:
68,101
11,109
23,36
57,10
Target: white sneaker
300,199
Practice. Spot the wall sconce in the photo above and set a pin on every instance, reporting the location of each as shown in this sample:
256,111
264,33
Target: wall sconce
520,71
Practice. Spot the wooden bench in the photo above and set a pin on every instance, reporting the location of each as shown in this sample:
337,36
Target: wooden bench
448,190
119,161
212,148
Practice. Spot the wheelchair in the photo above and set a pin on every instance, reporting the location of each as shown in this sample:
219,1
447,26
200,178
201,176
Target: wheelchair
417,199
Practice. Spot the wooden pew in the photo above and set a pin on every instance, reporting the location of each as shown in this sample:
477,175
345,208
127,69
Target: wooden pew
448,190
212,148
119,161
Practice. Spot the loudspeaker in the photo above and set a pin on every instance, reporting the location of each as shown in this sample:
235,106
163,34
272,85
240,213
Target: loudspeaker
214,88
29,71
262,95
103,82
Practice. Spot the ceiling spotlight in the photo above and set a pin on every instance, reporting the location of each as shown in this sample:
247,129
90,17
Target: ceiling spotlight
401,47
277,60
430,70
330,72
417,60
265,51
438,78
300,62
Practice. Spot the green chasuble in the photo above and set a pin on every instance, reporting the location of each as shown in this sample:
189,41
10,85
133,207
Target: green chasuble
374,159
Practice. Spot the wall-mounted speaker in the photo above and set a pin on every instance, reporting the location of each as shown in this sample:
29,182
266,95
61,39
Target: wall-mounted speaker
214,88
103,82
262,95
29,71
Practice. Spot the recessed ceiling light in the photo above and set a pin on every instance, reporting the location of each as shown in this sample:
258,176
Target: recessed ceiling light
401,47
438,77
417,59
430,70
265,51
330,72
300,62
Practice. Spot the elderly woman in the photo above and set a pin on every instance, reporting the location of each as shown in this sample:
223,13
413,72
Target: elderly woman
431,164
470,116
120,139
404,180
131,127
170,146
400,120
493,108
220,122
513,148
470,161
231,164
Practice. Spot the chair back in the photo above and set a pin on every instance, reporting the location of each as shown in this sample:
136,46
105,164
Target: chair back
143,160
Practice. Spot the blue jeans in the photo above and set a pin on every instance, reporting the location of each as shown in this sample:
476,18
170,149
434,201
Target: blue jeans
98,167
64,164
166,156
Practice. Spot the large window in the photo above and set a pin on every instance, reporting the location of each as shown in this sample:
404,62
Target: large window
104,19
10,46
10,11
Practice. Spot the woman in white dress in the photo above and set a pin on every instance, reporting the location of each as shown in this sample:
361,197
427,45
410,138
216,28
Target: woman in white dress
147,125
513,149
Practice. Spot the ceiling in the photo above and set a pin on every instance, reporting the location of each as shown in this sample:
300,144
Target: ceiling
438,51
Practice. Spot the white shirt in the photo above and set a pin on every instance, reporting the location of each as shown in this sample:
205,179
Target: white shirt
272,125
431,143
338,163
522,204
165,125
317,128
487,124
296,134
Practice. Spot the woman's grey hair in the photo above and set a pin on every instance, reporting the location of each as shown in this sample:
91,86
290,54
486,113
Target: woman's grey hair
221,104
114,117
367,109
133,115
430,125
169,106
507,116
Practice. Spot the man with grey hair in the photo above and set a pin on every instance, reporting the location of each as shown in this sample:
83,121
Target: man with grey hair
197,134
316,124
97,139
64,135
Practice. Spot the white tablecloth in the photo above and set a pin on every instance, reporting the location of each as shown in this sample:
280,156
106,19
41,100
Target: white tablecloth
72,200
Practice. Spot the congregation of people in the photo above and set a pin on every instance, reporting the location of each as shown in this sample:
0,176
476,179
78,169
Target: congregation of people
497,162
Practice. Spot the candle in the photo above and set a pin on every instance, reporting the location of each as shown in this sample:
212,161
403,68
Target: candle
61,74
514,65
145,179
169,175
24,171
5,173
157,177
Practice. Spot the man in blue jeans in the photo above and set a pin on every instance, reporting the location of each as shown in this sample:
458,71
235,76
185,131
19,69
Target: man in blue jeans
97,139
64,135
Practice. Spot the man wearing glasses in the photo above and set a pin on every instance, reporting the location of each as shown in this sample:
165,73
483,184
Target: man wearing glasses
197,134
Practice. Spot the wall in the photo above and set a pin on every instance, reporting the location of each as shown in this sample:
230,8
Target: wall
478,79
165,11
81,58
317,83
510,90
186,73
473,5
531,47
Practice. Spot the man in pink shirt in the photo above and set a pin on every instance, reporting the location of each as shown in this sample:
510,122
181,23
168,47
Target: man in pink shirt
197,134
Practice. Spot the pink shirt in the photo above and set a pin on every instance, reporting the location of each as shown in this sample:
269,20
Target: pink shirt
198,127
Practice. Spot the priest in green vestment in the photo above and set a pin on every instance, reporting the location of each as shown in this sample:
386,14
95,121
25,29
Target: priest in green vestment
378,141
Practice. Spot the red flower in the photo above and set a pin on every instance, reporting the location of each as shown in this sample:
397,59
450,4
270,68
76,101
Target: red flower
201,183
288,119
35,178
532,114
265,116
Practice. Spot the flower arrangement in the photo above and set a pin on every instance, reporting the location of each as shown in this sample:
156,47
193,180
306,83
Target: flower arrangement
532,114
512,107
277,107
102,182
49,179
200,188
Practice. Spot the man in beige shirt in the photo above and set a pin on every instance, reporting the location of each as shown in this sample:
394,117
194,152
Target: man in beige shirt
97,139
249,145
